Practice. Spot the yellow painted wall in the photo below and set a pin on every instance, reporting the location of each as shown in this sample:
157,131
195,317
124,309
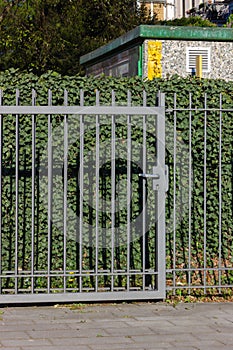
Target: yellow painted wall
154,59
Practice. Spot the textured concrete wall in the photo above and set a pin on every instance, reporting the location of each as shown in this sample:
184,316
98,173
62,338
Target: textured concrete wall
173,59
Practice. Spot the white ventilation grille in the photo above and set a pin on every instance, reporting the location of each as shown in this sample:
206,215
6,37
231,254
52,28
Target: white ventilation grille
192,53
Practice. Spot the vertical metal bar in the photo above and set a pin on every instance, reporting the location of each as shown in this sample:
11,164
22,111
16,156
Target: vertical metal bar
129,159
190,193
220,194
50,192
65,180
1,146
161,228
161,220
113,190
174,196
144,208
16,193
205,187
33,190
81,175
97,168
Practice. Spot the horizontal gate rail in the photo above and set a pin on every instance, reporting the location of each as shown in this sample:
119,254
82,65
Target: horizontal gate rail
79,110
169,110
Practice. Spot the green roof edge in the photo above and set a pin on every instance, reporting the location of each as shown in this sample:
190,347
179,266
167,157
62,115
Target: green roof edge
160,32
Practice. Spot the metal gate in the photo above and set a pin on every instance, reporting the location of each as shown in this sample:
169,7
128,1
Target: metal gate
82,202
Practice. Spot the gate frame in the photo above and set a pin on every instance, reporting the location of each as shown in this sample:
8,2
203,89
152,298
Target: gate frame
63,297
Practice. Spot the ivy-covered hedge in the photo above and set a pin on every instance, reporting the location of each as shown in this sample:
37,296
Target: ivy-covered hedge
207,240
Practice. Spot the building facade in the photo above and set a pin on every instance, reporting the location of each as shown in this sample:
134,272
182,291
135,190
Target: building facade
171,9
162,51
162,9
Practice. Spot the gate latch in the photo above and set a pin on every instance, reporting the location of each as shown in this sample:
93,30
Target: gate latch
151,176
159,177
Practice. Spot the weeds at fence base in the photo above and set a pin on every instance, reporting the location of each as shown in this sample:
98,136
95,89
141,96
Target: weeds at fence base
199,296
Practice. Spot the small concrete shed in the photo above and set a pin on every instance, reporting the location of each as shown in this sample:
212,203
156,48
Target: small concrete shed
152,51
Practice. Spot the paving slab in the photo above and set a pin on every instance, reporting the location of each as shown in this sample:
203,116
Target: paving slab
117,326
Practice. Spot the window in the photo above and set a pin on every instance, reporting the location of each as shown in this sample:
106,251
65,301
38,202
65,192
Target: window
192,53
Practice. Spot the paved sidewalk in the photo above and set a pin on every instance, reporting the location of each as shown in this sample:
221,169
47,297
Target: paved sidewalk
144,326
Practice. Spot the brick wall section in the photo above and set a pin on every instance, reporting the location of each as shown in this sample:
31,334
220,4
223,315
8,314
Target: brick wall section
174,58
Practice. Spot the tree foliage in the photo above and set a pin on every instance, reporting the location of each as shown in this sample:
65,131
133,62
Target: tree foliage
40,35
44,35
229,23
195,21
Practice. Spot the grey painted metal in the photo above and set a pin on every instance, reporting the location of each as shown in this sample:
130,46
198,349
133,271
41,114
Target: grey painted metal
16,192
129,158
220,194
203,272
133,110
83,293
97,199
144,165
144,217
1,142
33,189
205,190
79,297
161,215
81,198
50,190
174,193
158,177
65,180
113,190
190,192
150,176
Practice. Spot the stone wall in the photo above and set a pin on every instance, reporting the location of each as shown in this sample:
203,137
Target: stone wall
173,59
